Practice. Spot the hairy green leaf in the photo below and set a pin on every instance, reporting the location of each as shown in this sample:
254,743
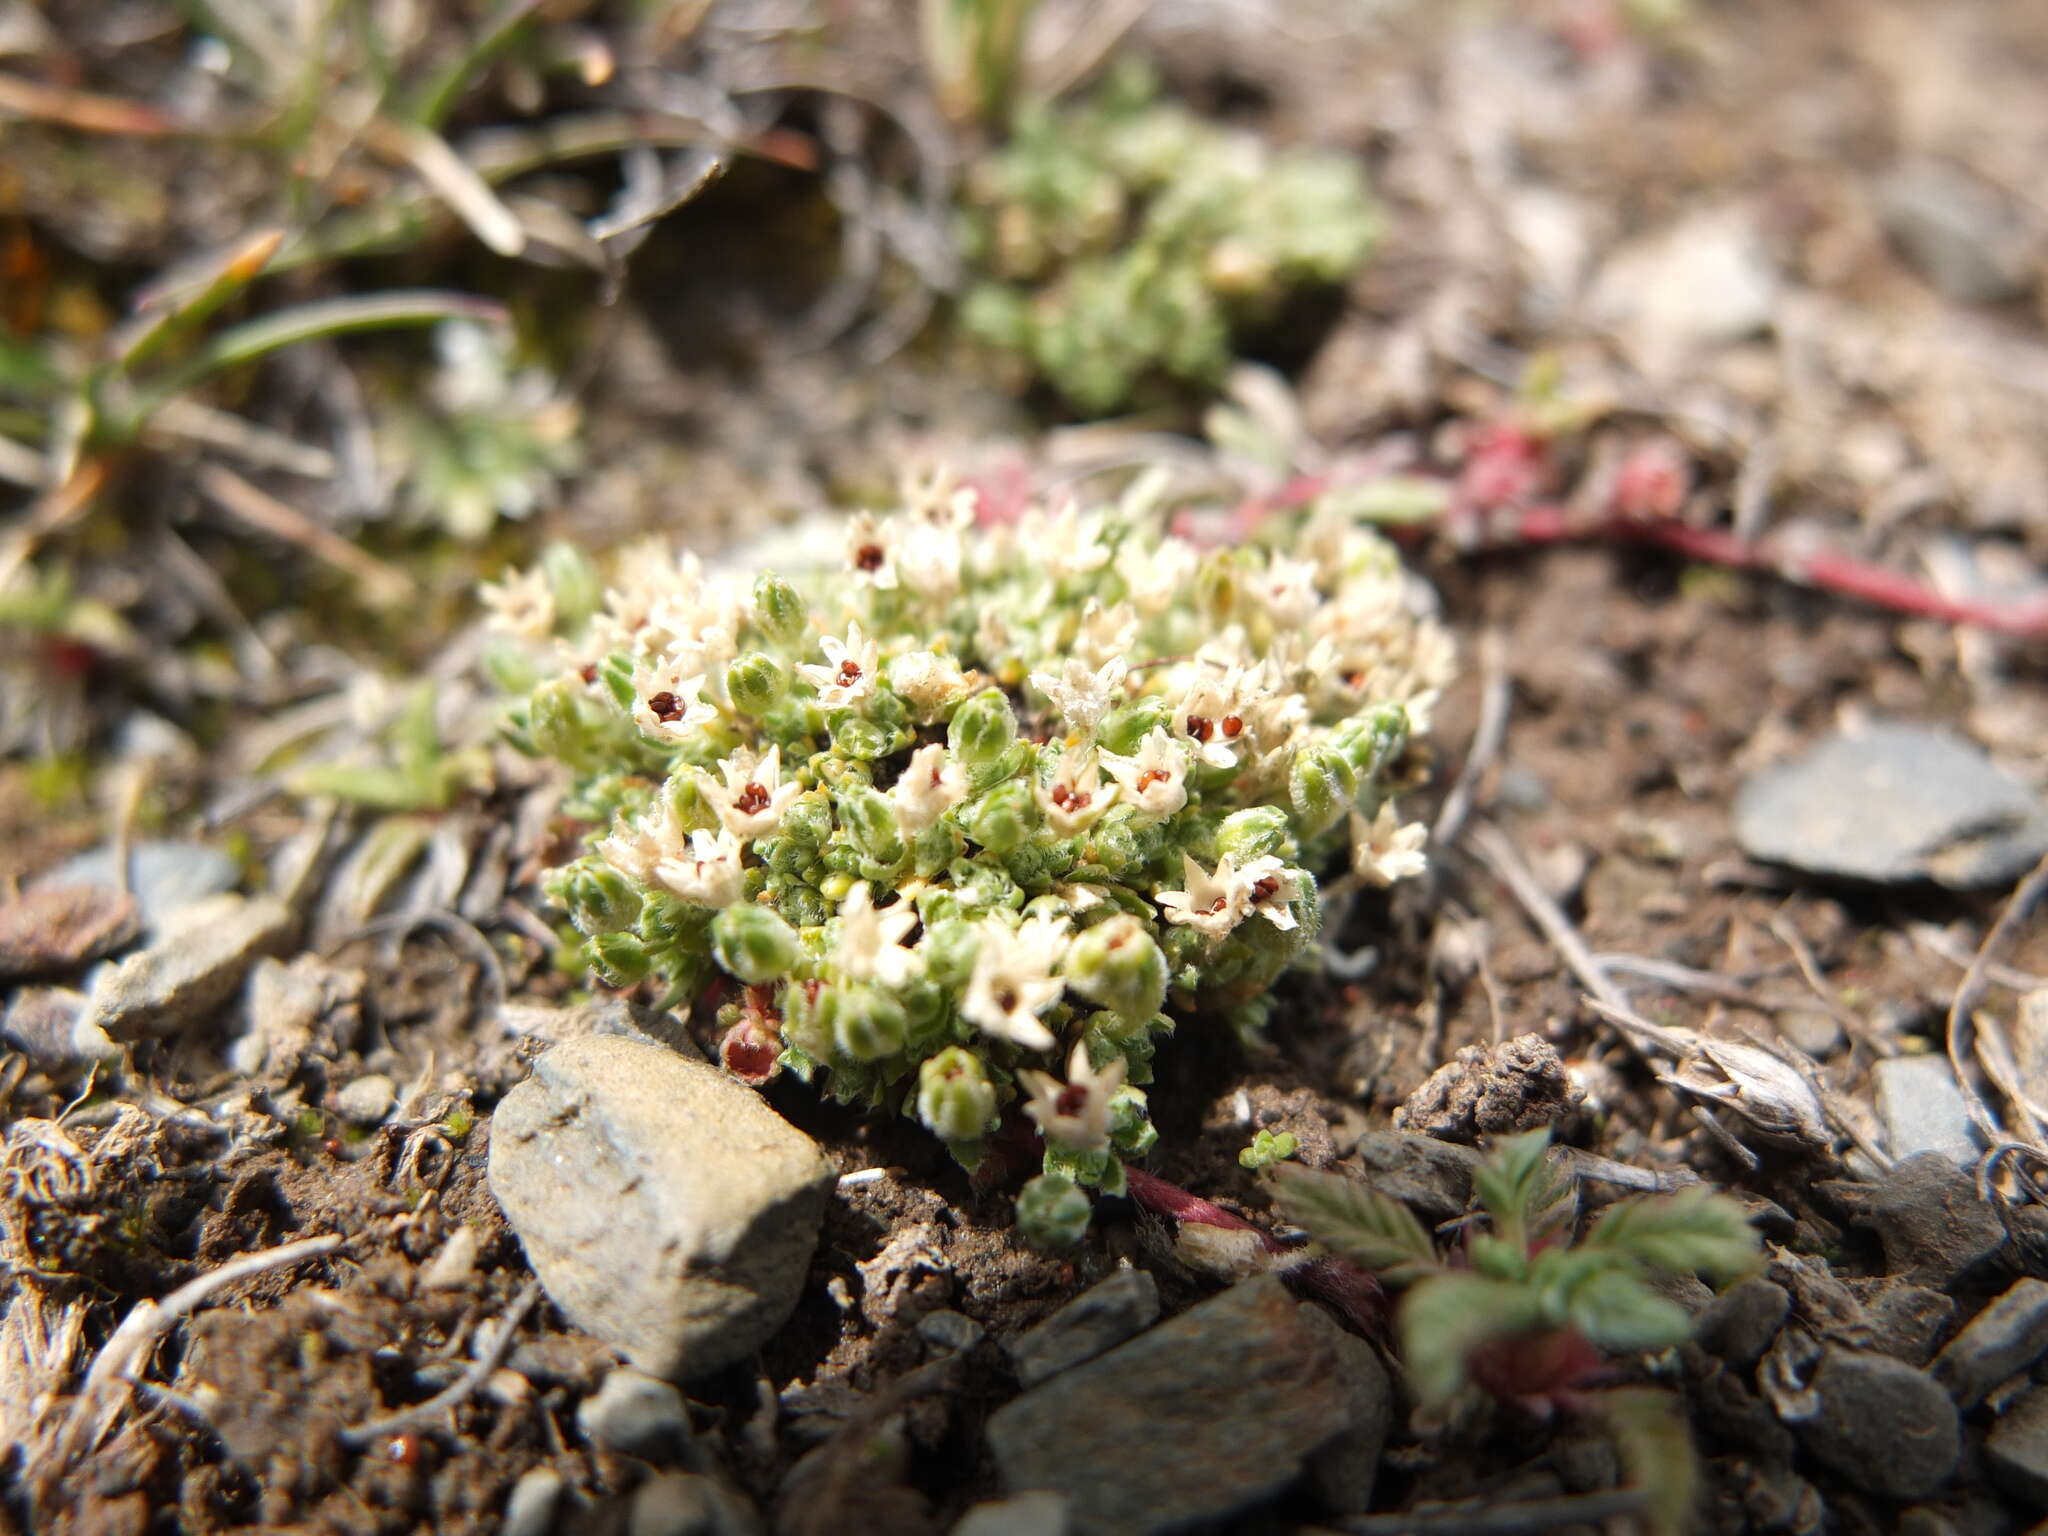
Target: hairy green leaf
1447,1316
1517,1187
1695,1231
1655,1445
1354,1219
1618,1311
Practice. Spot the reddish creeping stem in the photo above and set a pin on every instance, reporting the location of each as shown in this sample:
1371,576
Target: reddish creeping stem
1545,1373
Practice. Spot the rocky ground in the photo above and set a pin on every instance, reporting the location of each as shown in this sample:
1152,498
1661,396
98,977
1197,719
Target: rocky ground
332,1205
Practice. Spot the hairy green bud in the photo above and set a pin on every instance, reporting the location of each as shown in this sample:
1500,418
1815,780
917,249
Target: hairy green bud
779,610
949,947
1322,785
1131,1131
597,897
756,683
555,721
1003,818
982,729
955,1099
621,958
753,943
867,1023
1255,832
871,819
1120,965
1052,1211
574,582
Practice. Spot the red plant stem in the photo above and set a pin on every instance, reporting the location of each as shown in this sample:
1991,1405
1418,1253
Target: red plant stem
1164,1199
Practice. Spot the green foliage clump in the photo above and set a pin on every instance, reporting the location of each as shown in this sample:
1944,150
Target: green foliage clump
1127,239
1531,1314
985,804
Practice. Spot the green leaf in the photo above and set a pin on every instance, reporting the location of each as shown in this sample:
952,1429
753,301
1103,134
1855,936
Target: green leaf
1655,1446
1618,1311
1695,1231
1357,1221
1447,1316
171,318
1516,1186
383,789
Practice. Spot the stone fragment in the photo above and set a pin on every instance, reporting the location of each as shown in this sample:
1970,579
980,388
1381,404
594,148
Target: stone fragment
536,1498
1893,803
636,1415
53,1028
1432,1177
2007,1337
1924,1110
367,1100
950,1331
51,929
1344,1471
1519,1085
2017,1449
607,1016
1883,1425
1700,283
688,1504
1027,1514
1959,232
195,965
304,1007
164,877
1739,1324
666,1208
1927,1215
1903,1321
1100,1318
1192,1421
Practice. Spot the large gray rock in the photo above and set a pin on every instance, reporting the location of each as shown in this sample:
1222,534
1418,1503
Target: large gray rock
196,965
1100,1318
666,1208
1194,1420
1884,1425
1893,803
2007,1337
2018,1448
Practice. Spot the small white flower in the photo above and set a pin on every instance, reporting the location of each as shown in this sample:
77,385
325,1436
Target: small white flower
1013,980
1287,589
703,624
1212,903
848,675
928,682
522,605
1268,887
1069,541
1082,697
1074,1114
1155,577
709,875
753,799
1076,797
1383,852
1105,632
1154,778
666,702
871,940
929,787
1211,718
871,551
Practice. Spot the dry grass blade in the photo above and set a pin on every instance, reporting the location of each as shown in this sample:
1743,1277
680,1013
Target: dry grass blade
455,182
462,1388
1963,1023
1494,849
383,585
31,101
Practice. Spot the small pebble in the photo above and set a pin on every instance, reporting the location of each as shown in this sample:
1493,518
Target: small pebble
1883,1425
637,1415
164,877
1100,1318
536,1498
2007,1337
1026,1514
367,1100
950,1331
2018,1449
452,1267
1923,1109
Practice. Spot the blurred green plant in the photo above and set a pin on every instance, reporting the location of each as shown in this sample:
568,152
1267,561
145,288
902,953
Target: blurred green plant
973,53
418,772
1126,240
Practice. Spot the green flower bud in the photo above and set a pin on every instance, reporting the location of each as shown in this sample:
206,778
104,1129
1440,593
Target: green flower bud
871,821
1003,818
756,683
753,943
867,1023
1120,965
866,740
948,947
615,672
555,721
808,821
573,580
510,667
1052,1211
955,1099
1373,740
1255,832
1323,785
598,898
983,729
1131,1131
620,958
684,792
1123,729
779,610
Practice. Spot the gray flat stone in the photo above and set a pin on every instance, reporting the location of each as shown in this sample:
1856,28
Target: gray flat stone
53,1027
1960,233
1194,1420
1883,1425
1924,1110
1100,1318
1344,1471
2007,1337
195,966
52,929
2018,1449
607,1016
637,1415
666,1208
165,877
535,1501
1891,804
1740,1323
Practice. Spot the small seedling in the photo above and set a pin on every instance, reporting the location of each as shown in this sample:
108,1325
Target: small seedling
1267,1149
1521,1313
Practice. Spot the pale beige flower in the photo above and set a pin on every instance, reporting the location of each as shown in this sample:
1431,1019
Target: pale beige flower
870,946
1082,696
1268,887
710,875
1382,851
753,799
848,675
931,785
1155,777
1013,981
665,699
1210,717
522,605
1287,590
930,682
1076,797
1074,1114
1212,903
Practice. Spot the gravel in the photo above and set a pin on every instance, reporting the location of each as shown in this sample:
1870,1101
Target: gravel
1883,1425
1100,1318
2007,1337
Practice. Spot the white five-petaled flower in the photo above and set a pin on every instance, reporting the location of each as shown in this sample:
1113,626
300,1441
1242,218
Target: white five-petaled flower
666,702
1382,851
634,848
1104,633
753,799
1212,903
931,785
1081,696
1070,540
1013,980
1154,778
871,940
1269,888
522,605
848,675
710,874
1076,797
1074,1114
871,551
1211,717
1287,588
